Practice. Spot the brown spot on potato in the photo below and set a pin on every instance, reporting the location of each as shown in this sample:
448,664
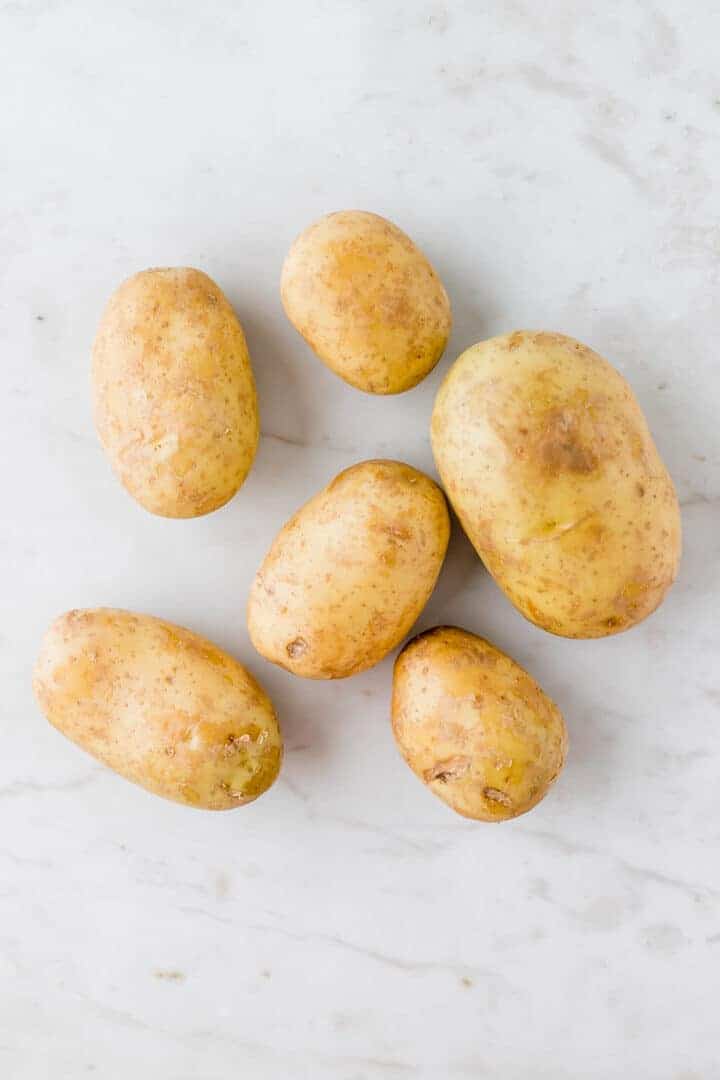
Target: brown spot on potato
451,769
560,448
398,532
495,795
297,647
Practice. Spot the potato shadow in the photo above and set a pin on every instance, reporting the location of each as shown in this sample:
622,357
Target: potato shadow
462,572
282,384
299,710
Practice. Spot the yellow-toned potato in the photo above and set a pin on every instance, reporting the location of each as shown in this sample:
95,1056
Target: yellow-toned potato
474,726
174,394
367,301
548,461
160,705
348,575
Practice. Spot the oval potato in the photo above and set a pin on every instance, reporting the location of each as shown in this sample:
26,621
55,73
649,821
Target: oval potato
174,394
548,462
160,705
349,574
474,726
367,301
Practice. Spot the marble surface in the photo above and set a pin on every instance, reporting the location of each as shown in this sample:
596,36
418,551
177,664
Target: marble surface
559,164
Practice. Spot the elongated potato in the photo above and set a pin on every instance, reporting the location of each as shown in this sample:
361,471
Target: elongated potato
367,301
474,726
160,705
349,574
174,394
547,459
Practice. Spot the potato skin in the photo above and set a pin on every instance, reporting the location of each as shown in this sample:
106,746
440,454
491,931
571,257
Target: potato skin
367,301
548,462
349,574
174,394
160,705
474,726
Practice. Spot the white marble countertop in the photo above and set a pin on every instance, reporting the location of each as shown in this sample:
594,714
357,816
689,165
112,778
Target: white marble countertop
559,165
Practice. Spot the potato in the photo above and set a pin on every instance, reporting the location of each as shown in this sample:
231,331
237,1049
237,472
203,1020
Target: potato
174,394
474,726
160,705
367,301
548,461
349,574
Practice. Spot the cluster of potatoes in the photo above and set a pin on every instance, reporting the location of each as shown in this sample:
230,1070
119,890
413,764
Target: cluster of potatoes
543,453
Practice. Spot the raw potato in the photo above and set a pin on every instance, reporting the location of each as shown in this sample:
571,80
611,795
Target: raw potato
474,726
160,705
548,461
349,574
174,394
367,301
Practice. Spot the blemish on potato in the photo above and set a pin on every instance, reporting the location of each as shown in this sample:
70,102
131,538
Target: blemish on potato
297,647
495,795
451,769
559,447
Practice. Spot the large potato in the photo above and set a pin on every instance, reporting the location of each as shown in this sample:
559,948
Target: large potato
367,301
160,705
474,726
547,459
174,394
349,574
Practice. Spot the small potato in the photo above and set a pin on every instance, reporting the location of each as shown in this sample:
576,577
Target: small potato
548,462
174,394
367,301
349,574
474,726
160,705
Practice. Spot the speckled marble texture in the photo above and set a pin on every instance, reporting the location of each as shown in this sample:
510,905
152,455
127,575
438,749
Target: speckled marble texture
558,163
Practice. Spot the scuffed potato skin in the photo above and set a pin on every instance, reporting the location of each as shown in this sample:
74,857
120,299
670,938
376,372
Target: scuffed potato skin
367,301
548,462
174,394
474,726
160,705
349,574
